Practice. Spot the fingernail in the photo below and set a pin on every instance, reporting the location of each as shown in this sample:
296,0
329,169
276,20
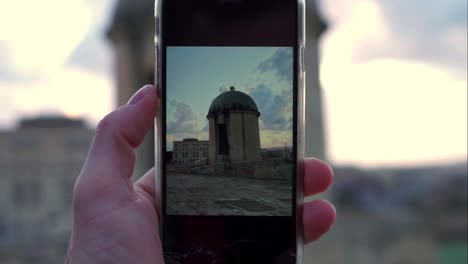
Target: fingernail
140,94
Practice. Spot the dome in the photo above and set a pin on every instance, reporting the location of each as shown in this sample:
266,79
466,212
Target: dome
233,100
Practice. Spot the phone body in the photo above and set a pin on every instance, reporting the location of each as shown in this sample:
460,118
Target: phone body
230,130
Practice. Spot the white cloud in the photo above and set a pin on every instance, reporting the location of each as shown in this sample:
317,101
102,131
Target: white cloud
354,25
365,30
39,38
387,109
41,34
392,111
72,91
94,51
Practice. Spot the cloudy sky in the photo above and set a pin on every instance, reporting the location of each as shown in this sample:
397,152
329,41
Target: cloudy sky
393,73
54,59
197,75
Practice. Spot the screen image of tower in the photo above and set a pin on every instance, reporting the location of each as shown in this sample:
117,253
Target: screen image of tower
229,131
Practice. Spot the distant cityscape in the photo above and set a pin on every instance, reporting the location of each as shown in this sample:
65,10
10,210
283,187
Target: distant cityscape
397,215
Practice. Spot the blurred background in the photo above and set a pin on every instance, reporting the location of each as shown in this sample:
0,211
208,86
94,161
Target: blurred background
386,106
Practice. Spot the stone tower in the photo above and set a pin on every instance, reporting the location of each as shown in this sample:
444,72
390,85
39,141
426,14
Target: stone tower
233,128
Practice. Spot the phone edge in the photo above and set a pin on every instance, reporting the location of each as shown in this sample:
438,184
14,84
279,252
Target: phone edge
158,120
300,121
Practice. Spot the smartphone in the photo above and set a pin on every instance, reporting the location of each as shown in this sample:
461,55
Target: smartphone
229,137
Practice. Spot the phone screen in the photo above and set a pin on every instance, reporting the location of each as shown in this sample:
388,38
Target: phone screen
229,131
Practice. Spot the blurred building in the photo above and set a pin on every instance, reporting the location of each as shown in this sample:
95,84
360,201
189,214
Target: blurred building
131,34
39,163
314,118
395,215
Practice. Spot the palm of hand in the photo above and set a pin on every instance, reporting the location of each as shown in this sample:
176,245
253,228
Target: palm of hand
126,231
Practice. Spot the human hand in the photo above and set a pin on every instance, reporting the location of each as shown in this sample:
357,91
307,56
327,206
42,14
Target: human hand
115,220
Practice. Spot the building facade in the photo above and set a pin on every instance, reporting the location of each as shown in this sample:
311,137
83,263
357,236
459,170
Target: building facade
190,151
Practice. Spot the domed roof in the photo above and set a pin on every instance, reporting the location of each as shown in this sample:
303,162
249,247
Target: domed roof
233,100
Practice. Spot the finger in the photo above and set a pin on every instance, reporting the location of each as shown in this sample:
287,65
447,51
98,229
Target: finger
147,184
318,176
110,163
318,217
112,153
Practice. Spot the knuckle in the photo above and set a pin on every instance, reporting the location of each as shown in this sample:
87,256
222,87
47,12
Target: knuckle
104,125
80,198
85,194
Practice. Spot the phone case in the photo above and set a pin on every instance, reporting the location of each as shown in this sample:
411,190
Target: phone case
301,79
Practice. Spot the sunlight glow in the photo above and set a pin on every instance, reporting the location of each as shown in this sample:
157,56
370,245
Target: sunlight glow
40,35
74,92
387,111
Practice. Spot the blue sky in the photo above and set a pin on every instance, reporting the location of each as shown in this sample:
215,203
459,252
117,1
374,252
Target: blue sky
196,75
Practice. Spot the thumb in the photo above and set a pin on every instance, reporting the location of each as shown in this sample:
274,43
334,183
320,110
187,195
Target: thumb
104,181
